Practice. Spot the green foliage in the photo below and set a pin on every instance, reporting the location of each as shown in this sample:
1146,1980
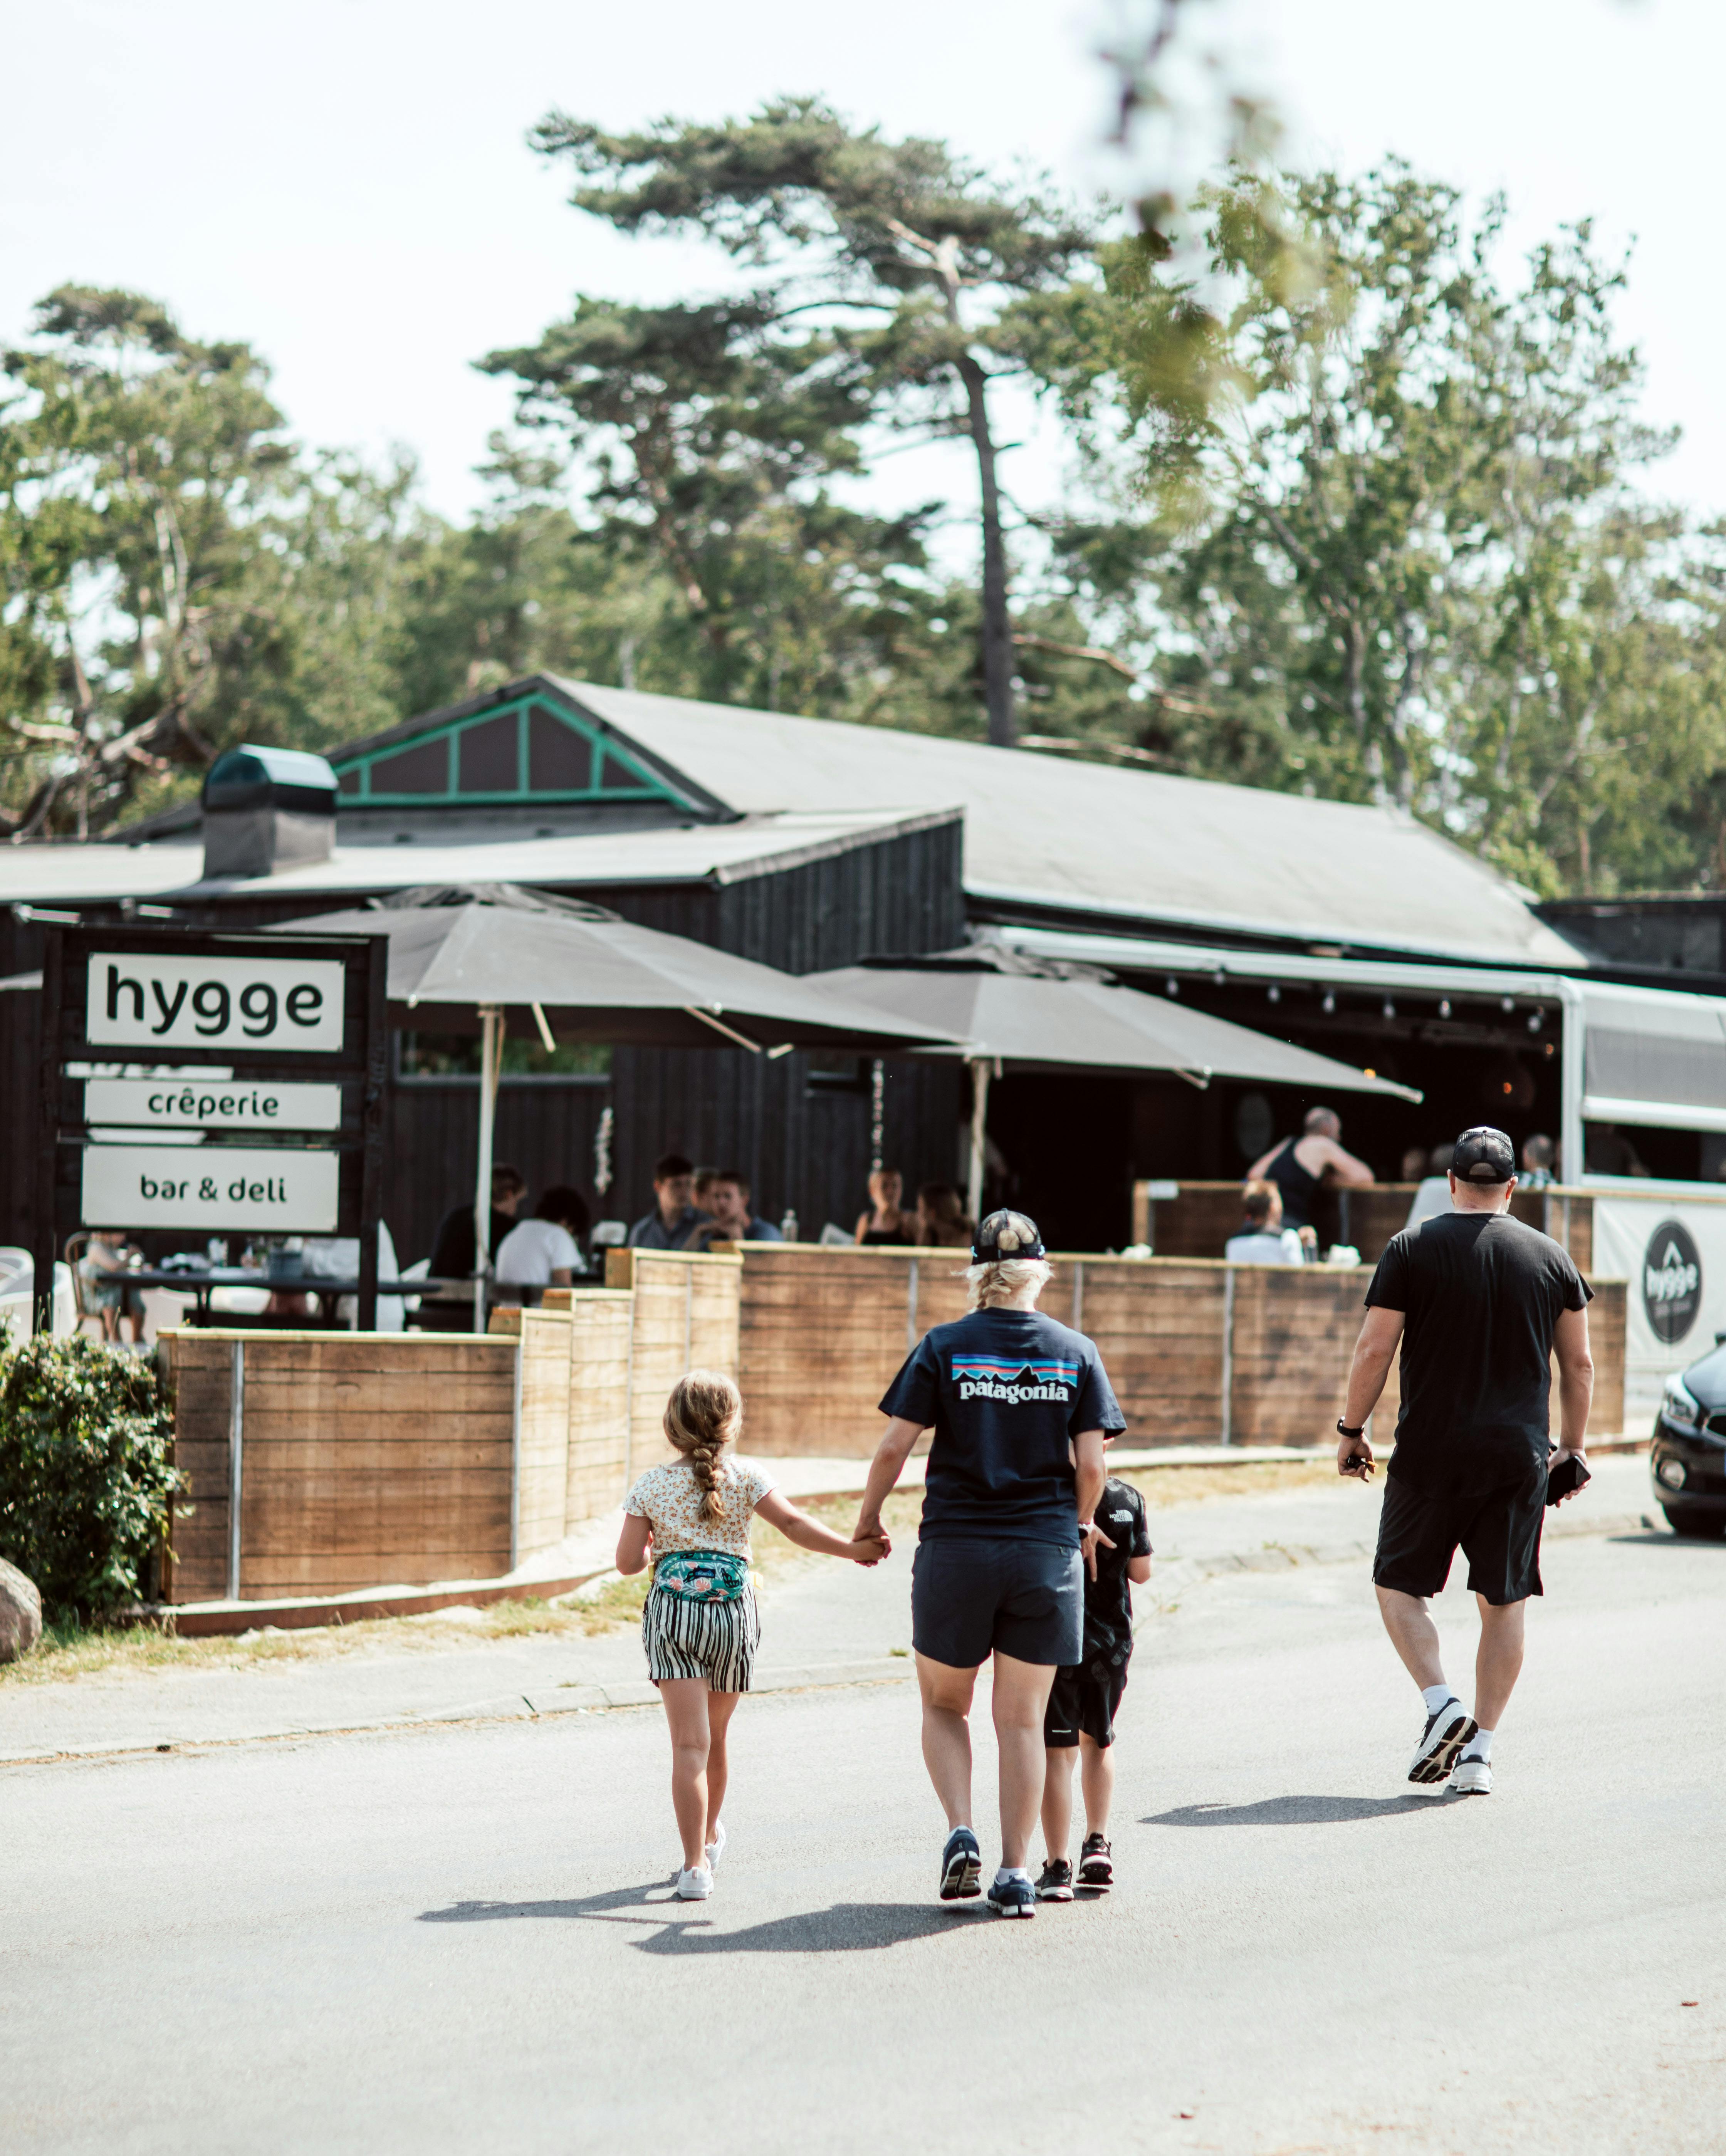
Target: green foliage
890,268
85,1480
1386,510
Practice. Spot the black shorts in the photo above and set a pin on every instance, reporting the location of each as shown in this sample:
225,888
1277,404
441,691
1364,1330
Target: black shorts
1498,1531
1084,1701
969,1599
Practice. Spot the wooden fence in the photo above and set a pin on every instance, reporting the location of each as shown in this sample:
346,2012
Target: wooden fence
1198,1351
361,1460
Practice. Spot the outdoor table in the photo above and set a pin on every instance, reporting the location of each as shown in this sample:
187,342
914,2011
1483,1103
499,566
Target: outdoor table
202,1283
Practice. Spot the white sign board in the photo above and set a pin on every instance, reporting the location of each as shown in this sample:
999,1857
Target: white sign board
269,1189
1671,1248
202,1102
137,999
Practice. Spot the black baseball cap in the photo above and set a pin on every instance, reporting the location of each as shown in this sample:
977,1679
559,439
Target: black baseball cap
1025,1239
1483,1155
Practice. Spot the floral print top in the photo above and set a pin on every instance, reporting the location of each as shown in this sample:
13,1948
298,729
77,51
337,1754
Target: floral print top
669,1498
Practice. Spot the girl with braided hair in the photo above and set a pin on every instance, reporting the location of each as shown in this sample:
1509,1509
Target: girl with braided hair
700,1625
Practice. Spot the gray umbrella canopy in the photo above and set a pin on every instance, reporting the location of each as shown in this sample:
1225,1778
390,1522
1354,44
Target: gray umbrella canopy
1043,1015
555,965
479,958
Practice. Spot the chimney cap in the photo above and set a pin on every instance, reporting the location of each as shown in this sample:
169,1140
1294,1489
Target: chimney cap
248,777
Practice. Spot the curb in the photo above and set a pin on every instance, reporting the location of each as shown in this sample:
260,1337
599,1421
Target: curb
500,1707
1178,1574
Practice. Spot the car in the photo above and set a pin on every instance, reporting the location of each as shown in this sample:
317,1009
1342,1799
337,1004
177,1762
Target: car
1687,1459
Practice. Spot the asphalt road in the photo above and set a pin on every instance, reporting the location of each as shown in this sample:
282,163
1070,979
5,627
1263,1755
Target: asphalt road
458,1938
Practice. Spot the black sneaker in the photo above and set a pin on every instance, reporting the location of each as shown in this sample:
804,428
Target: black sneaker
1443,1738
1013,1898
1056,1881
1097,1867
961,1864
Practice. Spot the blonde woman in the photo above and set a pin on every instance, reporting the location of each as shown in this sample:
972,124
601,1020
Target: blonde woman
1021,1408
886,1220
700,1624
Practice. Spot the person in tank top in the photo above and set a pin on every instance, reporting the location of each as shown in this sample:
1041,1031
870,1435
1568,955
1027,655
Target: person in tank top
1301,1167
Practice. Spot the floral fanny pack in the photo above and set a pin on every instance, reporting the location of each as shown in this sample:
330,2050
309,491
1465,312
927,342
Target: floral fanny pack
702,1575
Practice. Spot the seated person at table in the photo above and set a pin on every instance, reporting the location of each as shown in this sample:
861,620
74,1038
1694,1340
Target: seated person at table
724,1194
452,1254
940,1220
101,1272
545,1250
1433,1197
1263,1239
1539,1160
667,1227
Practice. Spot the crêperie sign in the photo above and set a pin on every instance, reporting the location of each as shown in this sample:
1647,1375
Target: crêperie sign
226,1084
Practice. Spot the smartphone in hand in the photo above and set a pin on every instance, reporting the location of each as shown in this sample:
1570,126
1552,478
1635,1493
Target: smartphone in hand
1570,1474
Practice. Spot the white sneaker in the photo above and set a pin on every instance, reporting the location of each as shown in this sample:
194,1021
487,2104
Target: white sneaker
693,1884
1472,1777
716,1848
1444,1735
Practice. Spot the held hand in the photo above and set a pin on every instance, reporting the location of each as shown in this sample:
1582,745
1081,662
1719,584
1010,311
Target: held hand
1569,1452
1090,1535
870,1549
1354,1456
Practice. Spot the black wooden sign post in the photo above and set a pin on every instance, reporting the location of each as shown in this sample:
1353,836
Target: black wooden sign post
225,1084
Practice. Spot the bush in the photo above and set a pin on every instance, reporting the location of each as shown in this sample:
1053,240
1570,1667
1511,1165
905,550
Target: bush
85,1480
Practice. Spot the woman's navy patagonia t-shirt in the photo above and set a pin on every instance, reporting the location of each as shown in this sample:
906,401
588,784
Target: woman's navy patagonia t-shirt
1005,1391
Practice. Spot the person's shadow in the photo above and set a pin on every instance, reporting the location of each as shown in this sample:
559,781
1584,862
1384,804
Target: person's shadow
1292,1811
846,1927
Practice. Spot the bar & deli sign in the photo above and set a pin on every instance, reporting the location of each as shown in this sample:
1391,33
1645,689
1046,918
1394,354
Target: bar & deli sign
265,1189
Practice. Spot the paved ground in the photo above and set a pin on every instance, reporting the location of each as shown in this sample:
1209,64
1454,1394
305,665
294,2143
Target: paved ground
456,1938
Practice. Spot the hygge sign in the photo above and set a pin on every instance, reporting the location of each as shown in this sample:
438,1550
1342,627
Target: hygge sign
268,1188
1672,1250
198,1103
137,999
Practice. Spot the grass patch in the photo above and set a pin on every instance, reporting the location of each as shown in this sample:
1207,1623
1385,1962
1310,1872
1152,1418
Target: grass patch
1165,1487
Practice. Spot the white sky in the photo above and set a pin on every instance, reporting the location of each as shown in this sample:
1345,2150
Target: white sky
345,184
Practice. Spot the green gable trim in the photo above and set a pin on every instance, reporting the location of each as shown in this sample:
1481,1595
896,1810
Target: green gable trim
524,751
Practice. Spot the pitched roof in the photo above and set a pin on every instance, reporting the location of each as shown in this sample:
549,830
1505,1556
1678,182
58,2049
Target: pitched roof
1086,840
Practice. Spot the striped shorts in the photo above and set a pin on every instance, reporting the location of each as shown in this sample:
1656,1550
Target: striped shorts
686,1638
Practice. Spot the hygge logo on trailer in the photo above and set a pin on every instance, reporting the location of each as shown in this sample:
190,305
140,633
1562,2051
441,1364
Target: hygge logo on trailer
137,999
203,1102
1672,1281
270,1189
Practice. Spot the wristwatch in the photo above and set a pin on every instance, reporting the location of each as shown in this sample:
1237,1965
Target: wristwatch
1343,1431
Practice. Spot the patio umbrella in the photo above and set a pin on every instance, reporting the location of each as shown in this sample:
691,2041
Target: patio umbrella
1042,1014
483,954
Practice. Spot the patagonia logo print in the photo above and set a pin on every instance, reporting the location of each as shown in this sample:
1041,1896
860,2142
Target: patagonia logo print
991,1377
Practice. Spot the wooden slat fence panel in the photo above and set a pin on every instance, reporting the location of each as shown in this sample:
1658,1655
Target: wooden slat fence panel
542,1455
368,1460
599,1373
685,1316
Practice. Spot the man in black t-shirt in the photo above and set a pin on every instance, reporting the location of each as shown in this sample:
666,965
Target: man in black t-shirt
1480,1303
1080,1721
1020,1408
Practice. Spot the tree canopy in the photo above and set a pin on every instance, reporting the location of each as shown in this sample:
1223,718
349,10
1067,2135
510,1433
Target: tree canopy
1356,506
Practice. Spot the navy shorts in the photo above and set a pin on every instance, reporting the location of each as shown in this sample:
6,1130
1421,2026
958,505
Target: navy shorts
1498,1531
969,1599
1083,1702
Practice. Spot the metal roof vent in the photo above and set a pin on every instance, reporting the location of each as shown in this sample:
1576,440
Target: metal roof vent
265,809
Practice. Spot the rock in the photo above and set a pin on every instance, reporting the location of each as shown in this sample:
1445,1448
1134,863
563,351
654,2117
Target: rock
20,1613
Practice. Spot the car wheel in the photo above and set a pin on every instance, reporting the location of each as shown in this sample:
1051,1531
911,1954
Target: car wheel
1695,1522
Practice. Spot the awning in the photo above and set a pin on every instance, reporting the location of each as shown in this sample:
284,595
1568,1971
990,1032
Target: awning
1655,1058
1026,1014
